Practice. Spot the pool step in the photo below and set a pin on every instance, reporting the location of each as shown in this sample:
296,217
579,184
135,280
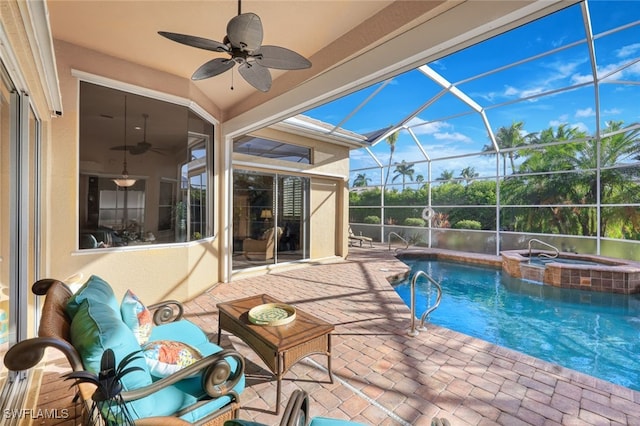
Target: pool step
532,272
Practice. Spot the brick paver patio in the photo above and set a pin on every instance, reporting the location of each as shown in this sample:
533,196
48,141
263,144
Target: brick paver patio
384,377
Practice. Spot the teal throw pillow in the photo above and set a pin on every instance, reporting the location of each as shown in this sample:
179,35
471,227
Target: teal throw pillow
97,327
136,315
95,289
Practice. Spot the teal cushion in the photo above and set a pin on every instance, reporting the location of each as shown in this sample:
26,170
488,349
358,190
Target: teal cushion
95,289
184,331
96,327
187,332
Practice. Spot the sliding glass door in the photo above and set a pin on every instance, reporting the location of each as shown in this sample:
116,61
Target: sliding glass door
19,213
270,219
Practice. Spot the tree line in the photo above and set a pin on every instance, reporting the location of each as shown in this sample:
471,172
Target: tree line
557,181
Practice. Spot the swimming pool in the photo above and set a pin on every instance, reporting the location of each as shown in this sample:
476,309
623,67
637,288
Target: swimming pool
591,332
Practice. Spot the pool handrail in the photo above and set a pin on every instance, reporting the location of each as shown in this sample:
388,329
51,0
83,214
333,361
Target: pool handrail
414,331
549,256
397,235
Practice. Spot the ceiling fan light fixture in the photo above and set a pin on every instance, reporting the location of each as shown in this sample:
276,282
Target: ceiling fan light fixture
243,42
124,181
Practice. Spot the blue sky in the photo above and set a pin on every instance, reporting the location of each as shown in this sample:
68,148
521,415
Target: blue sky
532,91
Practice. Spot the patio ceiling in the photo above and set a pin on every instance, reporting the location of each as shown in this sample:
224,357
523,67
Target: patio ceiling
333,34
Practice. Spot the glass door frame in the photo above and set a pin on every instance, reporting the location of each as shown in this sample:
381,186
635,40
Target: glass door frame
274,219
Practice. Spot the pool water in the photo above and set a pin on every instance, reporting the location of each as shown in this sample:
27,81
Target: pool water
542,261
591,332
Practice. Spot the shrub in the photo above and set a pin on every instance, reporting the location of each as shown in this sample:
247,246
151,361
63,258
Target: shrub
414,221
374,220
467,224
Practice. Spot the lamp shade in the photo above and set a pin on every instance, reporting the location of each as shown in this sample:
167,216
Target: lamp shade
124,181
266,214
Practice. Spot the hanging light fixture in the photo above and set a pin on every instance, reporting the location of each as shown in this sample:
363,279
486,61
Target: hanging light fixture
125,181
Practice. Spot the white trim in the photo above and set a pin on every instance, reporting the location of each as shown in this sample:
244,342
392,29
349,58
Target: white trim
226,219
143,91
295,129
41,42
281,169
10,61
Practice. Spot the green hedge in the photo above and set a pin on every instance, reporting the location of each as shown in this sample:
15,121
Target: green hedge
467,224
414,221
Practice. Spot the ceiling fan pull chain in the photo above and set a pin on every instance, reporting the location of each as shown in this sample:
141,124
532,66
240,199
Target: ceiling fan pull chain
231,78
239,7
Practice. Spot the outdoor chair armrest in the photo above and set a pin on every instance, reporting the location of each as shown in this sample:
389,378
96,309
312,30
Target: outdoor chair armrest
28,353
297,409
166,311
217,378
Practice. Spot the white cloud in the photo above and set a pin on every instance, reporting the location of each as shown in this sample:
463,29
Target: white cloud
587,112
581,78
580,126
421,127
438,129
628,50
455,137
612,111
563,121
511,92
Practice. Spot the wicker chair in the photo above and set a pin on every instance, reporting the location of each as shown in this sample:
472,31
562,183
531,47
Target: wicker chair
219,376
263,248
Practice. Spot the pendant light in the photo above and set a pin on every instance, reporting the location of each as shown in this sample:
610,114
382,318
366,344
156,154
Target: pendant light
125,181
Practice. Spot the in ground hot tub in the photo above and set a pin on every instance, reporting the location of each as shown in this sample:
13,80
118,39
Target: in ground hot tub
577,271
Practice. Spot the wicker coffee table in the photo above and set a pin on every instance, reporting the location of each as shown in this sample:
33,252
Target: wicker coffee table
280,347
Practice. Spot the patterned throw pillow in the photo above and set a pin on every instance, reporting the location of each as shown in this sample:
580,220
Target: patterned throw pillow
165,357
136,316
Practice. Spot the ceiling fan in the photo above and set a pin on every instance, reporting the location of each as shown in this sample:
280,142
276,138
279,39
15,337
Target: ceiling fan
142,146
243,43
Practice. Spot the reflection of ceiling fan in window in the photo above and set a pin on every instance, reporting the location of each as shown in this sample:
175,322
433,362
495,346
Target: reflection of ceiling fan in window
142,146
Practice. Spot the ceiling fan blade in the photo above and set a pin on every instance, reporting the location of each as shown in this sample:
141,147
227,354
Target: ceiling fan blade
280,58
245,32
121,148
158,151
256,75
199,42
139,148
212,68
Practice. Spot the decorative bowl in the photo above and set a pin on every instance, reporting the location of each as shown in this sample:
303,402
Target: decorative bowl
272,314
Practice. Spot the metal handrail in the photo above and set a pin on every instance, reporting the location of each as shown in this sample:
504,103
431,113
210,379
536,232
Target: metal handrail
394,233
548,256
414,331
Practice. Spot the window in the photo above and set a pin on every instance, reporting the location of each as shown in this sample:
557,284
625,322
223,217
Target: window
165,149
267,148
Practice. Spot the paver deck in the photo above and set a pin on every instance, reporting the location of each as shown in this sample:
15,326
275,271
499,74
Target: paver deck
384,377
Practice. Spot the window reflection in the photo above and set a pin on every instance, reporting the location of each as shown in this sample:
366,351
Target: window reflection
167,149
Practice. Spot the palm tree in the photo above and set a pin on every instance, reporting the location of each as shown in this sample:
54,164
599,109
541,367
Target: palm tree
391,140
361,180
446,175
403,170
468,174
507,138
